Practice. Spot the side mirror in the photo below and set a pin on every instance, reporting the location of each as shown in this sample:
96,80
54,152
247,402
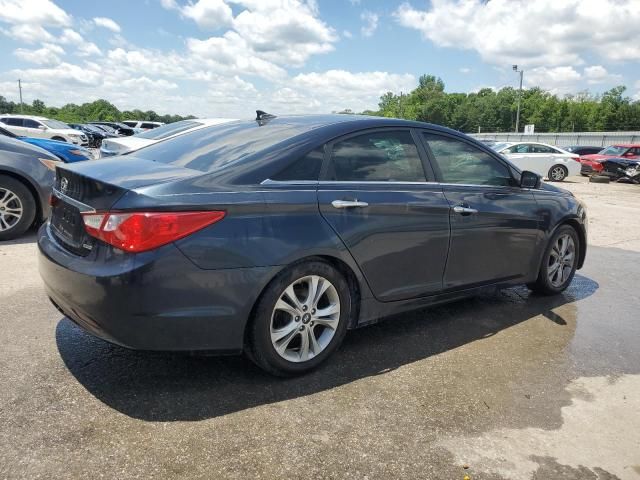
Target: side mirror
529,180
41,127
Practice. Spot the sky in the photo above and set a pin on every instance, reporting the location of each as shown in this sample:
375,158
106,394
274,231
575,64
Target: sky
227,58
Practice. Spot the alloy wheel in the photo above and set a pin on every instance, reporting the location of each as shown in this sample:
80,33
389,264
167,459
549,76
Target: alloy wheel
305,318
10,209
558,173
561,260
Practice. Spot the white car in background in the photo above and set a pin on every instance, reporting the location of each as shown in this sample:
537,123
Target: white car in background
41,127
546,160
118,146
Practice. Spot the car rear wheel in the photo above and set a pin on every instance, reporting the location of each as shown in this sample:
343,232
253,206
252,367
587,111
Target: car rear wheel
559,262
300,319
558,173
17,208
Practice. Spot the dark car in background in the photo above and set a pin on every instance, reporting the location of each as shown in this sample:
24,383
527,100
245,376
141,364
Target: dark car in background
582,149
275,236
120,128
95,134
26,178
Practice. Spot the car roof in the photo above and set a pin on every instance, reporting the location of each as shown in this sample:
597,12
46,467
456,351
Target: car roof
625,145
19,115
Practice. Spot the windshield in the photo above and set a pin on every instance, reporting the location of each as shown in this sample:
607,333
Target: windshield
499,146
213,148
55,124
168,130
614,150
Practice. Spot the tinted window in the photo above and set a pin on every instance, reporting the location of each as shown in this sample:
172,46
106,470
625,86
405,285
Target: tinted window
168,130
129,123
14,122
537,148
517,149
460,162
55,124
380,156
149,125
305,168
30,123
220,146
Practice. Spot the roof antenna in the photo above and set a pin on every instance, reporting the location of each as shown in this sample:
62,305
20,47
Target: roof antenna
263,117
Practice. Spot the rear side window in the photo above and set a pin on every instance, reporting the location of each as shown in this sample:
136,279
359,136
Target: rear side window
148,125
378,156
30,123
460,162
305,168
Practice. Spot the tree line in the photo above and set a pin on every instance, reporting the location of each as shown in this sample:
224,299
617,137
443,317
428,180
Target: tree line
99,110
495,111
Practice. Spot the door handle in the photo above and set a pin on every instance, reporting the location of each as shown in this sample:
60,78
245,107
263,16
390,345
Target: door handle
464,210
349,204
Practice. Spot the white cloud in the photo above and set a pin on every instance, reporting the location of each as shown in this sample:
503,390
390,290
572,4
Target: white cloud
335,90
70,37
88,49
37,12
370,21
107,23
209,14
465,70
28,33
530,33
48,54
347,34
598,74
555,79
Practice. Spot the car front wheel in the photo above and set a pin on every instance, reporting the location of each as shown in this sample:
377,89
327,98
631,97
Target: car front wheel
559,262
300,319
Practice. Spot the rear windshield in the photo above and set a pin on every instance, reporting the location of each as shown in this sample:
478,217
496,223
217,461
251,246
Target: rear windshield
614,150
213,148
167,130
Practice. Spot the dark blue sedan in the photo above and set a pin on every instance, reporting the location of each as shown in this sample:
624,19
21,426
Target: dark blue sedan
275,236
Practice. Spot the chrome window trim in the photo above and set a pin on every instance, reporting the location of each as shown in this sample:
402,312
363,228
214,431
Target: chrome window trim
380,182
82,207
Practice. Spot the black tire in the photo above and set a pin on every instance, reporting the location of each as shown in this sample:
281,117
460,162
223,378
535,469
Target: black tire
599,179
9,228
260,348
543,284
60,139
554,173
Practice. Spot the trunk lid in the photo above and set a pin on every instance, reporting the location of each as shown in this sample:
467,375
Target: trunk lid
95,186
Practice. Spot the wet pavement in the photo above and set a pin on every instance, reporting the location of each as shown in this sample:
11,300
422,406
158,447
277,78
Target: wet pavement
513,386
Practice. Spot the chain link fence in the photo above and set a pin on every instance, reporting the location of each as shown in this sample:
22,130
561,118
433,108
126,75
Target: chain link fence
595,139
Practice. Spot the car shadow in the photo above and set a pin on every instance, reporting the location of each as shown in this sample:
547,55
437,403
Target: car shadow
29,237
175,387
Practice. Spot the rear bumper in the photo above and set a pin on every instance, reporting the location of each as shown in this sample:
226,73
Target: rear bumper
158,300
588,167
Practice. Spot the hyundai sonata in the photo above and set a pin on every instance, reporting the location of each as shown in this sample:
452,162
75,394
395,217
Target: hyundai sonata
276,236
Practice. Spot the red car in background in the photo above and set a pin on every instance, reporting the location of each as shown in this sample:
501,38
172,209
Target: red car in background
593,163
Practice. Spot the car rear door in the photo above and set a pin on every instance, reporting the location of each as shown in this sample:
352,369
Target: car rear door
375,195
32,129
494,223
14,125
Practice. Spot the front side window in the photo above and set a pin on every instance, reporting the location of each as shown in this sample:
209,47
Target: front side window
522,148
538,148
379,156
56,124
462,163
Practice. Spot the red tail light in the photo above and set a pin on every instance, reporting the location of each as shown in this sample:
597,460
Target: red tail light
141,231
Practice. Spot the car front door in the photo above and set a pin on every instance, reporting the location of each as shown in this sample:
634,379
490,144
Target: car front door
494,222
375,195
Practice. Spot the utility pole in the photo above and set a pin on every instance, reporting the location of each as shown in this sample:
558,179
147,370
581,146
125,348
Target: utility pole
521,72
20,89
